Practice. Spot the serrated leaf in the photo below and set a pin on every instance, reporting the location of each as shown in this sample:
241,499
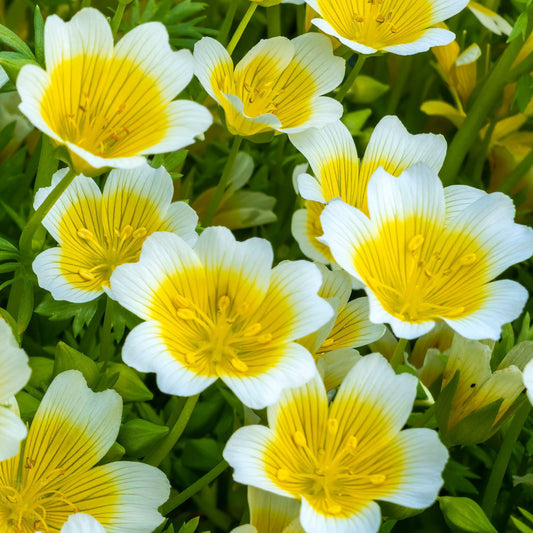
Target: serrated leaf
465,515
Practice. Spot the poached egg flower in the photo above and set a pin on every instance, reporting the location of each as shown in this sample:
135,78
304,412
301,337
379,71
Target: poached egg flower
428,253
219,310
401,27
110,105
339,459
276,87
98,231
54,475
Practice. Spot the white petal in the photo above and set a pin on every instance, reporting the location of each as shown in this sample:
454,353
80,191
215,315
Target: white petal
103,162
430,38
504,302
459,197
527,376
145,351
324,110
310,188
299,232
14,369
88,32
491,20
327,28
444,9
268,119
12,433
82,523
147,46
182,219
367,520
295,368
424,458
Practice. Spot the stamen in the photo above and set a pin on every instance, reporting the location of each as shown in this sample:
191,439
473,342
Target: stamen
283,474
265,338
415,243
85,234
327,343
333,425
468,259
223,303
352,443
299,438
334,508
140,233
239,365
86,275
253,330
186,314
377,479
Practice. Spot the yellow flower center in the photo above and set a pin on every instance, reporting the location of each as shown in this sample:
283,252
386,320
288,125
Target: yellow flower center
423,275
107,106
378,23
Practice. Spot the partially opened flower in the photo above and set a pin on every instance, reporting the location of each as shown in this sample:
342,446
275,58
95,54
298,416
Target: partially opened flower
276,87
399,26
110,105
98,231
339,459
270,513
220,311
54,475
14,374
428,254
338,172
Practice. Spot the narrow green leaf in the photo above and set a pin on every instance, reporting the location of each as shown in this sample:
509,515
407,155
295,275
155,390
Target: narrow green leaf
465,515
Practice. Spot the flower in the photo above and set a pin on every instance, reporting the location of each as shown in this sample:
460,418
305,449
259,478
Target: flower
399,26
527,376
490,19
220,311
110,105
14,374
276,87
481,399
428,253
82,523
54,475
338,459
339,173
98,231
270,513
333,344
238,208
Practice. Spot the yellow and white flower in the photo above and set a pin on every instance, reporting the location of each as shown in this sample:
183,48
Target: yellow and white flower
54,475
270,513
110,105
338,172
339,459
490,19
220,311
276,87
14,374
402,27
98,231
428,254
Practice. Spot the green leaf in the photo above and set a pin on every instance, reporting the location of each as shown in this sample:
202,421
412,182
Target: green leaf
13,41
129,385
527,479
520,27
38,25
42,371
67,358
61,310
190,526
366,89
138,436
523,92
356,120
521,526
202,454
443,405
466,515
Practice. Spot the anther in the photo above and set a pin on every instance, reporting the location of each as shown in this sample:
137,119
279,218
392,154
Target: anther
333,425
190,358
380,19
299,438
186,314
468,259
352,443
263,339
377,479
223,303
140,233
415,243
85,234
239,365
126,232
253,330
394,29
86,275
327,343
334,508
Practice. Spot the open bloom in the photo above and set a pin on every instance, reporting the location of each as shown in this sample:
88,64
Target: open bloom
276,87
54,476
399,26
220,311
98,231
428,253
338,172
339,459
14,374
110,105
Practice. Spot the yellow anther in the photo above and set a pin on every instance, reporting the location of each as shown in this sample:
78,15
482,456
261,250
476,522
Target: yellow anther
140,233
86,275
380,19
377,479
299,438
327,343
186,314
253,330
468,259
126,232
263,339
352,443
244,309
394,29
190,358
333,425
415,243
223,303
334,508
85,234
182,302
283,474
239,365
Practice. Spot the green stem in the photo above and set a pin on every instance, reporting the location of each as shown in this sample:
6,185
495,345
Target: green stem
484,103
399,86
518,172
228,21
242,26
117,17
347,85
502,460
168,443
106,341
222,184
47,164
397,356
26,239
274,21
191,490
